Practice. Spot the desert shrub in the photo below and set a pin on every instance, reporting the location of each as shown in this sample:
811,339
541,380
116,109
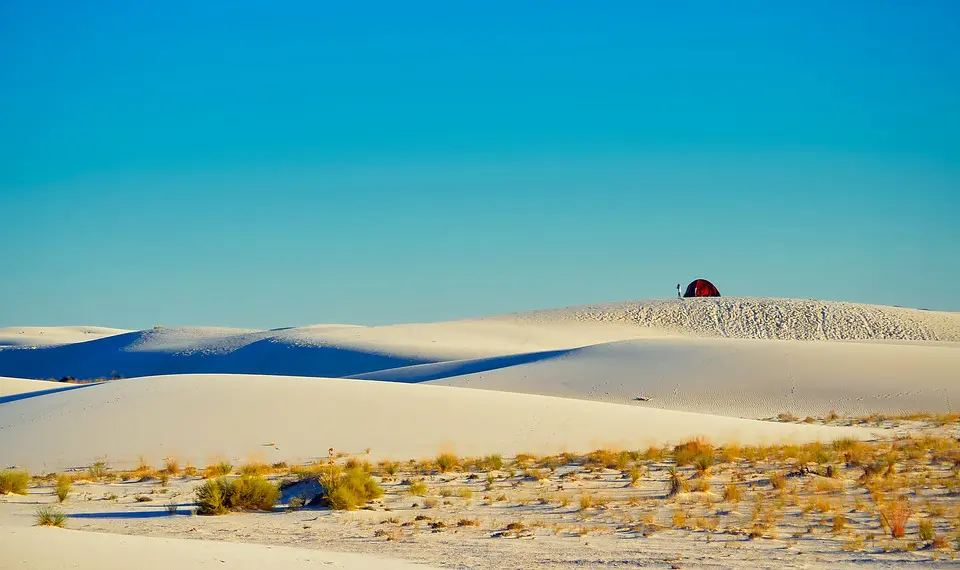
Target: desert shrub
429,503
248,492
49,516
389,467
14,482
350,489
465,493
493,462
732,493
447,462
212,497
63,488
894,517
98,470
221,469
926,530
357,463
418,488
635,475
687,452
252,493
839,523
677,483
586,501
172,466
703,462
778,481
255,469
467,522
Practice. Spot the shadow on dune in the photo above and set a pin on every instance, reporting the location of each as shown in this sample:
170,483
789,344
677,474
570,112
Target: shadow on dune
438,370
128,355
27,395
144,514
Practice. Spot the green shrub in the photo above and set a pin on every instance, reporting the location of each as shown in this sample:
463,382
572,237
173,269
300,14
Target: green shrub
212,497
247,493
48,516
98,470
63,488
349,489
13,482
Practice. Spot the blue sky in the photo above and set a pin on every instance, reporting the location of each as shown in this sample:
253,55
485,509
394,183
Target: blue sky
266,165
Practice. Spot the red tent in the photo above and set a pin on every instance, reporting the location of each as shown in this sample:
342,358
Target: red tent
701,288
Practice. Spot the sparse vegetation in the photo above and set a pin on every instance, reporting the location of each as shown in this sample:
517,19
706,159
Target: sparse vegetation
15,482
62,488
50,516
350,489
248,492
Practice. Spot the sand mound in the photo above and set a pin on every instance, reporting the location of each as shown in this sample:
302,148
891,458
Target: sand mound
58,548
49,336
766,318
272,418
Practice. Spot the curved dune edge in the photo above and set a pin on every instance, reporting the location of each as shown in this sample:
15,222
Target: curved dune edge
201,418
83,550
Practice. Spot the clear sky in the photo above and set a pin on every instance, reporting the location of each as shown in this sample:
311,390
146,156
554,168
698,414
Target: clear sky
272,164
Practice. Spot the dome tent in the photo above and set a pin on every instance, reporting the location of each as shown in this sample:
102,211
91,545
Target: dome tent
701,288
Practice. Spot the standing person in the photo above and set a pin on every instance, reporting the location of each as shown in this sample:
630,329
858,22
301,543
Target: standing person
678,292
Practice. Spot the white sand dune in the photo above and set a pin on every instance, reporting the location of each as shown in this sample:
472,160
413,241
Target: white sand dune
11,388
59,548
51,336
746,378
272,418
890,359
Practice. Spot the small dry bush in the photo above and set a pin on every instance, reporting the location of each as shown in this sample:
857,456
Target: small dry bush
350,489
388,467
778,481
894,517
63,488
430,502
248,492
255,469
679,519
172,466
634,475
839,523
467,522
493,462
447,462
926,530
14,482
586,501
688,452
732,493
418,488
49,516
465,493
220,469
702,485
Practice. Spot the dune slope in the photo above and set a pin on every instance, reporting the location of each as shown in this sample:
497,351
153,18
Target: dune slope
199,417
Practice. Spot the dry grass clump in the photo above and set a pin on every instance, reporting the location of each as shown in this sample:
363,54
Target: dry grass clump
62,488
447,462
778,480
925,530
492,463
171,466
732,493
15,482
350,489
418,488
249,492
49,516
388,467
692,451
894,517
219,469
255,468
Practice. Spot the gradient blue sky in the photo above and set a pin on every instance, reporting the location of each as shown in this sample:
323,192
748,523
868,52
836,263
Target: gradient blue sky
272,164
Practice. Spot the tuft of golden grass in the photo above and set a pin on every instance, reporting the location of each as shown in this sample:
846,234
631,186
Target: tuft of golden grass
62,488
732,493
447,462
219,469
778,480
418,488
13,481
